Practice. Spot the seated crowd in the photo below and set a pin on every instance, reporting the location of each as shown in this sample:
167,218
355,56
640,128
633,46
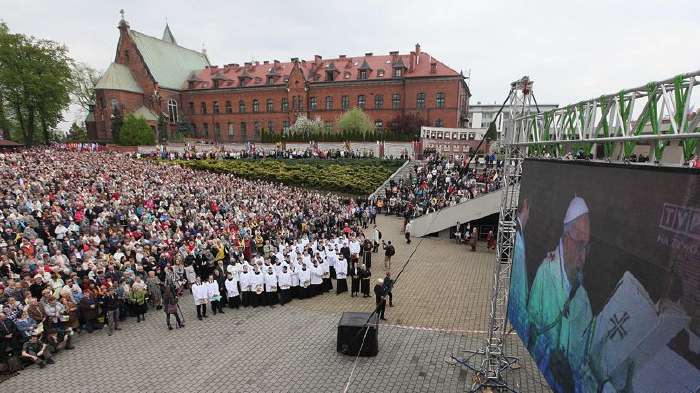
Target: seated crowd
437,183
92,238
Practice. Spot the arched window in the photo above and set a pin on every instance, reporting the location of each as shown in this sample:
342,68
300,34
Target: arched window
172,110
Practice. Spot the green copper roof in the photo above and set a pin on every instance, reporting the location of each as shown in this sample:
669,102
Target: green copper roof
118,77
169,64
145,113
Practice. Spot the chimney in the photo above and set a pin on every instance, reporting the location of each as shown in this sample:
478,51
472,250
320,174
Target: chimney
303,62
418,49
412,63
433,67
317,59
295,59
394,55
341,56
368,54
235,66
266,62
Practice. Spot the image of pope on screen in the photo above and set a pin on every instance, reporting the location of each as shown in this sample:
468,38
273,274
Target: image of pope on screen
606,300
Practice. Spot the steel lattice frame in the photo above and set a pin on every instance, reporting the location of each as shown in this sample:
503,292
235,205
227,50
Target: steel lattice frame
615,122
494,360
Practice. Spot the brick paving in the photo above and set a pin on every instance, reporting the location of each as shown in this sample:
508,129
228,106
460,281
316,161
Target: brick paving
441,309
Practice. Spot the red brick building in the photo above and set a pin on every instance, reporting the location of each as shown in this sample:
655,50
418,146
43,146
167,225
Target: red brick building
236,102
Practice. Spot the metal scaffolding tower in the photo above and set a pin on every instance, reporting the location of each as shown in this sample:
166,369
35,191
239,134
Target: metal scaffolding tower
494,361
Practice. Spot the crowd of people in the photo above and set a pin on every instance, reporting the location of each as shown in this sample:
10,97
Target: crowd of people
437,183
251,152
90,239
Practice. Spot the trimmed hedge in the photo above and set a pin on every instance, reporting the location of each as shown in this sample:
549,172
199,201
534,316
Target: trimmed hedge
350,176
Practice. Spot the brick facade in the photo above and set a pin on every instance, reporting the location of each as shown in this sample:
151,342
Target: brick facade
235,104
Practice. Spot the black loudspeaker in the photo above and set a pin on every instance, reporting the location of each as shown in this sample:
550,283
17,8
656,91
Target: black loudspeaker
351,331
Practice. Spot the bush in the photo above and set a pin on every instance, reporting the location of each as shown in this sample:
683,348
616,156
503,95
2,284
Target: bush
135,131
350,176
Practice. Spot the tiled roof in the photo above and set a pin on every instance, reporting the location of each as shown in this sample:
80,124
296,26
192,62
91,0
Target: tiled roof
347,69
170,64
118,77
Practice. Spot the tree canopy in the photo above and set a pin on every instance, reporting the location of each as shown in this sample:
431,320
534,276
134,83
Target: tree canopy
135,131
85,78
76,134
355,122
36,80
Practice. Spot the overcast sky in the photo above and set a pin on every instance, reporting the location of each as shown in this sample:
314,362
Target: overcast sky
573,50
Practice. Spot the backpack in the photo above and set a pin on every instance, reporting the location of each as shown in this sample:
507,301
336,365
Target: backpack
391,251
380,235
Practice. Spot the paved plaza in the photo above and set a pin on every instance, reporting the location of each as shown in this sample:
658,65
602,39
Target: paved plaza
441,309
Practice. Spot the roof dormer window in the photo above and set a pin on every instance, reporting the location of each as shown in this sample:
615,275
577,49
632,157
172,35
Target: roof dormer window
330,76
363,74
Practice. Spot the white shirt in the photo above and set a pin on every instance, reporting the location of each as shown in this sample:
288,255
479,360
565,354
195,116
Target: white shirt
256,280
270,282
231,288
233,270
294,274
199,292
354,247
304,276
341,268
245,281
212,289
285,280
316,273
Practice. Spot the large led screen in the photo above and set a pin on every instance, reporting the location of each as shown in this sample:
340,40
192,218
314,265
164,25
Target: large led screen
605,287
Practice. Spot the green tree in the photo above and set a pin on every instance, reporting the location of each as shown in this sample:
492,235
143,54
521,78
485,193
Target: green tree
85,78
35,85
135,131
162,128
354,123
76,134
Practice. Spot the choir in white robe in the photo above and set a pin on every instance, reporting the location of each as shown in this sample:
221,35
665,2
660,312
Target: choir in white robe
200,293
270,288
316,280
304,274
232,292
284,279
341,272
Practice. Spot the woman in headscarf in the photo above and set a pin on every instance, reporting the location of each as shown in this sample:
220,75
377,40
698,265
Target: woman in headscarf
153,283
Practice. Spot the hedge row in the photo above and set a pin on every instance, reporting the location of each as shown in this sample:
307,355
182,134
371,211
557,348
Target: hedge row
351,176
